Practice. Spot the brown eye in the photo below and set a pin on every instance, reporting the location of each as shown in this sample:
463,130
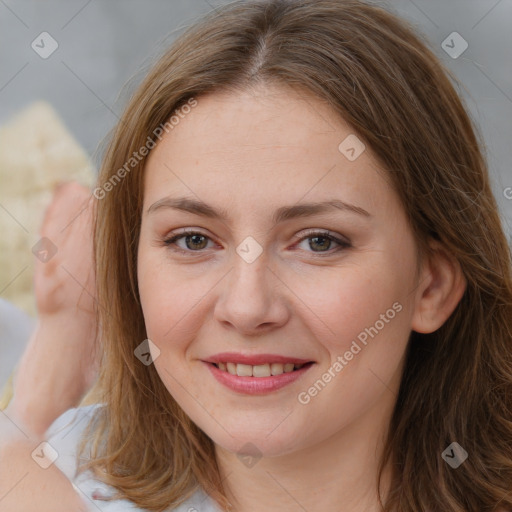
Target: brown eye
321,242
194,241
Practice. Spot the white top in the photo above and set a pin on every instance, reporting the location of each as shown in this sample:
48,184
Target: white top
64,435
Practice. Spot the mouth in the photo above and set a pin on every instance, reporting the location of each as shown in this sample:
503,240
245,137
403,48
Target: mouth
257,379
260,370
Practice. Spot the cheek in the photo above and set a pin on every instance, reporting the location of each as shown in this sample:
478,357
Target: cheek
164,305
167,302
173,301
343,304
162,297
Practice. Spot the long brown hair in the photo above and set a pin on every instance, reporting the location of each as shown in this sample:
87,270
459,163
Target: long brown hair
387,84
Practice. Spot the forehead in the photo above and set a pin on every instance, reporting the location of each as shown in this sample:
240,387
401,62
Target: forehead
271,142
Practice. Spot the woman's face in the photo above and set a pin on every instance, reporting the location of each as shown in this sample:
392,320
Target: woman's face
259,275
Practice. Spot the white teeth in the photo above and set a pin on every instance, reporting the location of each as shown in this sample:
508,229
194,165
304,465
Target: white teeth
244,370
260,370
276,368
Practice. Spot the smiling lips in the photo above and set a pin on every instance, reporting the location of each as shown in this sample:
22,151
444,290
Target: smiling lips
256,365
256,374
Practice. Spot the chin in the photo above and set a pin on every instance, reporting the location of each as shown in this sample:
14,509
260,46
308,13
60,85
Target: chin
257,445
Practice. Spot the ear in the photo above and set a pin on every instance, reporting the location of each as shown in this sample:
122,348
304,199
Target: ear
441,287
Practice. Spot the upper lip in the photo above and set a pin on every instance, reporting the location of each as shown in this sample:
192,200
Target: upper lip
254,359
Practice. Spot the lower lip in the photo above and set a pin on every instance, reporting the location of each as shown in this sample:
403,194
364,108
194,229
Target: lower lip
256,385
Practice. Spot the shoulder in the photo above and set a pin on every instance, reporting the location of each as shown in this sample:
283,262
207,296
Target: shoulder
64,435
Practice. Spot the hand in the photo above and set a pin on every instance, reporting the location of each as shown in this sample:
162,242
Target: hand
60,363
66,282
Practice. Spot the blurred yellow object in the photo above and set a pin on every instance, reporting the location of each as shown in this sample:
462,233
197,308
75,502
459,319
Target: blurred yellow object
36,152
7,392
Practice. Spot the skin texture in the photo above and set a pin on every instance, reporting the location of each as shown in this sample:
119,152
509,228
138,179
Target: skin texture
250,154
26,486
59,364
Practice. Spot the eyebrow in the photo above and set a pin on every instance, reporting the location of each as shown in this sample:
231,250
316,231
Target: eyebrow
281,214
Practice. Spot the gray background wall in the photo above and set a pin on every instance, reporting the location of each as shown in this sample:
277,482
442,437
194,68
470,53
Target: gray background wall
104,43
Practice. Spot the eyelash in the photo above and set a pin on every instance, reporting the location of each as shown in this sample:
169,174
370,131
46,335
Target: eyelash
309,234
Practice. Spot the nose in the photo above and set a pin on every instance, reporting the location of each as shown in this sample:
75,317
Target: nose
253,298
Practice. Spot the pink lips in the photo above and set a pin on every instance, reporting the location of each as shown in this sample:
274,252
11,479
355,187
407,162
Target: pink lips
257,385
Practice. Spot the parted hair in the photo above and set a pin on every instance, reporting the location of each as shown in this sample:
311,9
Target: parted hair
383,79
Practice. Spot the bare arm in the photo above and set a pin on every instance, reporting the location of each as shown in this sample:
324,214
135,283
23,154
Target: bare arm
24,484
59,364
